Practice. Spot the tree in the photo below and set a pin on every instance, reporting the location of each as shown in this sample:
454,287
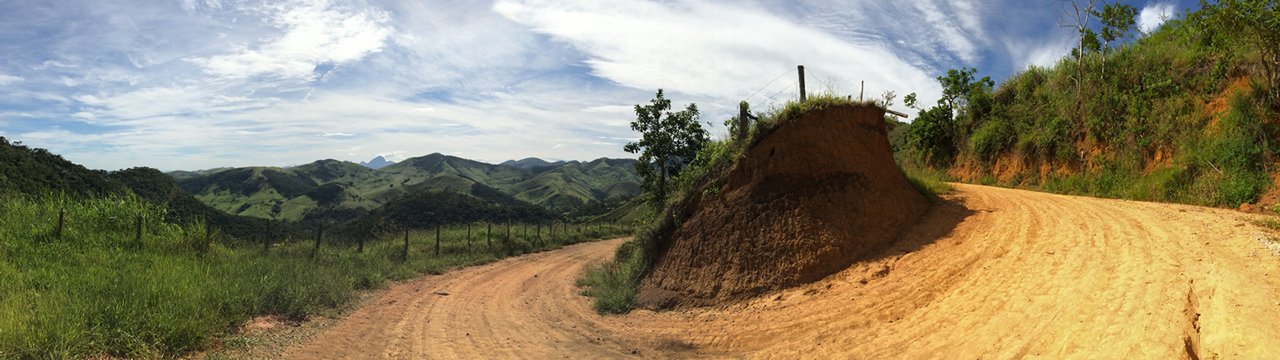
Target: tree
1237,24
1078,18
1117,23
958,85
934,133
669,140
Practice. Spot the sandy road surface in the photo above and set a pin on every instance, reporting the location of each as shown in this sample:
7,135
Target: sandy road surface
992,274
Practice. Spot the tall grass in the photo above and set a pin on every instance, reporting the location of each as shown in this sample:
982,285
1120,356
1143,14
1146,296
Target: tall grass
929,182
613,283
98,290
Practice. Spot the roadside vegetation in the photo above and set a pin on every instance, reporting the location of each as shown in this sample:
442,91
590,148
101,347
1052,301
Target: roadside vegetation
95,288
1184,114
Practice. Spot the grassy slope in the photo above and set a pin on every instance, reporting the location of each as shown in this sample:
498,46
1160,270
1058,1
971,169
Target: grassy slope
97,290
1170,120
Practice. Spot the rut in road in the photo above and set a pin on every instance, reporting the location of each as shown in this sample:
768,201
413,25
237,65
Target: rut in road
990,273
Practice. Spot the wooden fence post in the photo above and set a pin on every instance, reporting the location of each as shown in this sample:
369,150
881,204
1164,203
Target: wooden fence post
139,237
539,233
468,236
61,214
360,239
437,240
862,87
800,68
488,235
406,244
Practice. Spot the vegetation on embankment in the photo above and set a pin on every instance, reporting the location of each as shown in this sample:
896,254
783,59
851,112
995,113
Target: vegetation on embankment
614,283
1184,114
96,289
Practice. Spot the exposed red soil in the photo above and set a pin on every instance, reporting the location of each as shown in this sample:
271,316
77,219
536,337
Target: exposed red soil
803,203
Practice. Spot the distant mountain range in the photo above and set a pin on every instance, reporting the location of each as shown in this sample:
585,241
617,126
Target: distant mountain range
332,190
377,163
418,192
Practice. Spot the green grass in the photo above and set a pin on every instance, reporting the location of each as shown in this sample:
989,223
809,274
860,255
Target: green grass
613,283
1267,222
97,290
928,181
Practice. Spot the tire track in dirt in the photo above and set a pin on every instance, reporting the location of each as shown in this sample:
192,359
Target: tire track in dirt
990,273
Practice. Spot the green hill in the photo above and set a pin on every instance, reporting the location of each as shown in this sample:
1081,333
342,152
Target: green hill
36,171
26,171
1185,114
332,190
428,208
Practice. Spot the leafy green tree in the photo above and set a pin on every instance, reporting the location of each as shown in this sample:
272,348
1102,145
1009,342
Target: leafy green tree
1233,24
1117,23
669,141
958,86
934,133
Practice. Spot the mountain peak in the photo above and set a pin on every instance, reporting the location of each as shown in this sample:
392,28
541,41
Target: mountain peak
530,162
377,162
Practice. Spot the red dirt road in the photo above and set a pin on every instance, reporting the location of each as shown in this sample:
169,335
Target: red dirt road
991,273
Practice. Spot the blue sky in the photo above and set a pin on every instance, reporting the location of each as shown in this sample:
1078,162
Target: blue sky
196,84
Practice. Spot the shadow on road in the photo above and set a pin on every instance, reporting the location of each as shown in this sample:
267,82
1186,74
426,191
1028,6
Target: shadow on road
937,223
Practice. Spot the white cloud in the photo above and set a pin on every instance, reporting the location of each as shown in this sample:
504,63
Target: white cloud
1150,17
329,134
315,32
396,156
1039,52
48,63
721,51
615,109
16,114
8,79
958,29
141,104
85,115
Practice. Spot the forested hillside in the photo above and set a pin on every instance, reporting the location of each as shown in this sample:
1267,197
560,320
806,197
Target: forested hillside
35,172
332,190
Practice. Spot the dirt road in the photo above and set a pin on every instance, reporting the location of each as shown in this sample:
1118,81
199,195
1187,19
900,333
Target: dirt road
992,273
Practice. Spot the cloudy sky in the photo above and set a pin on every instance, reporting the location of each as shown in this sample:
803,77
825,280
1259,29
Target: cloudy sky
196,84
